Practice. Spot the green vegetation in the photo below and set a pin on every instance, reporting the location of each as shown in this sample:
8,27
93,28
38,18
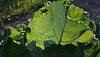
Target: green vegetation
58,29
12,9
98,24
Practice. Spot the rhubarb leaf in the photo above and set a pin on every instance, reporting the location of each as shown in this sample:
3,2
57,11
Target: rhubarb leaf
50,25
47,26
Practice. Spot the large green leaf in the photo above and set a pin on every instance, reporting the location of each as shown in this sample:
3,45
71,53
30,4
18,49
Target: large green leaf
50,25
76,13
75,31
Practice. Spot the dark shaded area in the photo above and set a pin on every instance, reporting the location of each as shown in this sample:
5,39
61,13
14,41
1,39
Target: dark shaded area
44,11
82,50
97,33
10,49
62,51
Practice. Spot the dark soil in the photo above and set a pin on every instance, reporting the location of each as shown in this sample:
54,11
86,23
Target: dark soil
21,20
97,33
